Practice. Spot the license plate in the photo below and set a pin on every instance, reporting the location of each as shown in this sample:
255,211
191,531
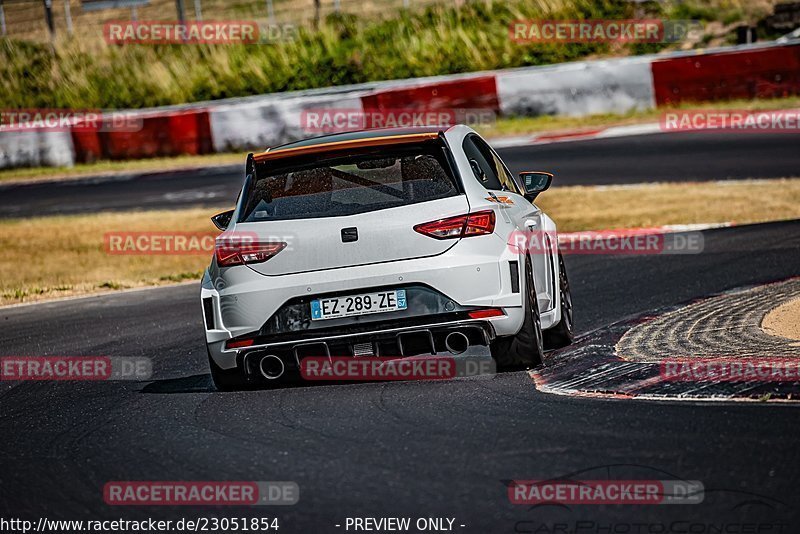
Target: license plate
379,302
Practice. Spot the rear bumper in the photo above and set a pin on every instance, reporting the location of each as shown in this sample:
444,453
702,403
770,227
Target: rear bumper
426,339
474,273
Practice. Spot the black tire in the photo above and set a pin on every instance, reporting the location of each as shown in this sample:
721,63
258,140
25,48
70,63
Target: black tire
523,350
225,379
562,334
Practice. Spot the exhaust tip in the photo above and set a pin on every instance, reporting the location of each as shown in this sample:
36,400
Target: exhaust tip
456,342
271,367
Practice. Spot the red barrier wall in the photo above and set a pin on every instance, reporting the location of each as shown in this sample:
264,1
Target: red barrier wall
765,73
168,134
86,144
479,92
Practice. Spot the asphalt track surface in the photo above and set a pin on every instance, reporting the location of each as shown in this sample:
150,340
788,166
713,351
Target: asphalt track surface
413,449
683,156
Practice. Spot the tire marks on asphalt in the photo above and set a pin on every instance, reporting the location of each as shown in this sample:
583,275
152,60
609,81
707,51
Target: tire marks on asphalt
624,359
728,325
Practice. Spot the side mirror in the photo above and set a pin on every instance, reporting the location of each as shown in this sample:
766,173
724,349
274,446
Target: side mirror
222,220
534,182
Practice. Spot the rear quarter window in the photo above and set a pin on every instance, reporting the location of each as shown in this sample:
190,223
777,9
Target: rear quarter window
487,166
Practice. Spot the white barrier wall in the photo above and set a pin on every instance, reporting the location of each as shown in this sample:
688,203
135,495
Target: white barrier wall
269,121
577,89
33,148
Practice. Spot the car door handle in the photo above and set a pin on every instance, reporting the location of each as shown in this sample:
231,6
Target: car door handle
531,223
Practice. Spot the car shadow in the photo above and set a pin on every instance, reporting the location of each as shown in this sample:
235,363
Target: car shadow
202,384
187,384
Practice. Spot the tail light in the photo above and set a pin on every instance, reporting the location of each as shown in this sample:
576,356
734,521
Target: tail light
478,223
229,254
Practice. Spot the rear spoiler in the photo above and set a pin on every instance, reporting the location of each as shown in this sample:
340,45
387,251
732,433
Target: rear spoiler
345,145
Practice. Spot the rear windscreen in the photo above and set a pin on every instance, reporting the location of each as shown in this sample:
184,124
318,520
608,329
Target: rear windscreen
347,185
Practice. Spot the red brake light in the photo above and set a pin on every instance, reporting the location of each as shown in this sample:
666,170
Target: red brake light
483,314
478,223
229,254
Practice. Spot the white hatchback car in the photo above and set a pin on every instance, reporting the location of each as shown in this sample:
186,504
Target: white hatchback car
395,242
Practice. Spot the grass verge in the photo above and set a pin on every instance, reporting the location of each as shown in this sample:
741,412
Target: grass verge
73,260
576,208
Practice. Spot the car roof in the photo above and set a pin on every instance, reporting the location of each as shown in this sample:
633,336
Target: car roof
345,140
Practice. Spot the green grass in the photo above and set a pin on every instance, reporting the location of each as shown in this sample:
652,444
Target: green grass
439,39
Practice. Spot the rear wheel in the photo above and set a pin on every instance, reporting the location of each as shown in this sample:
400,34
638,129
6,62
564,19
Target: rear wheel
561,334
525,349
225,379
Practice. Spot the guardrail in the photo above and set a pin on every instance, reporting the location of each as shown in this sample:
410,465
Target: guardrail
578,89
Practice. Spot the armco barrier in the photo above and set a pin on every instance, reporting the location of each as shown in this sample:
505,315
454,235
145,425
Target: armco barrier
257,123
577,89
478,92
35,148
761,73
161,134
